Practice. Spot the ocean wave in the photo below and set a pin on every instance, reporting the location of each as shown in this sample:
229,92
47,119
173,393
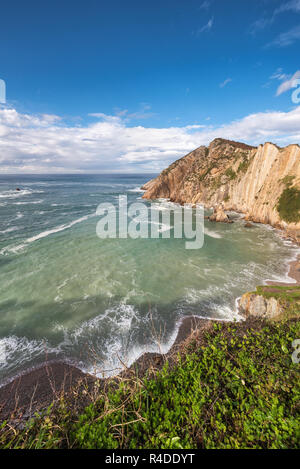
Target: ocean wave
212,234
136,189
29,202
12,194
44,234
10,230
16,353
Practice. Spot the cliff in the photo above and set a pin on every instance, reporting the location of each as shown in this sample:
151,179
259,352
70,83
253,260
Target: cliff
262,182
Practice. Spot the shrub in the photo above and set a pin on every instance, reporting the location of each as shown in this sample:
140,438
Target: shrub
243,166
288,180
289,205
235,387
230,173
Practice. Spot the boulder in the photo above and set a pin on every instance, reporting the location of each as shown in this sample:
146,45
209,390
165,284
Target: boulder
220,216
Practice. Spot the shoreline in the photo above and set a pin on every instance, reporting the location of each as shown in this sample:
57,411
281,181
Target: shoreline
36,388
293,273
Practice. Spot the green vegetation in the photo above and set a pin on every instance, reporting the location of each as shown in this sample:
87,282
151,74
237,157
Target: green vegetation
234,386
208,170
230,173
243,166
289,205
288,297
288,180
216,183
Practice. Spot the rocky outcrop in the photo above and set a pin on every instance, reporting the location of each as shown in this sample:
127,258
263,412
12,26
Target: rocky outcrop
220,216
252,304
272,301
242,178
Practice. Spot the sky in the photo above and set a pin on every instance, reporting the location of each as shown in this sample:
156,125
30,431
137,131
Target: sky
130,86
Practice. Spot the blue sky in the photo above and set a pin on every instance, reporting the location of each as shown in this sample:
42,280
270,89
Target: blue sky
165,75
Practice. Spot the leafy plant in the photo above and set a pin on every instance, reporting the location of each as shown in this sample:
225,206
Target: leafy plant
234,386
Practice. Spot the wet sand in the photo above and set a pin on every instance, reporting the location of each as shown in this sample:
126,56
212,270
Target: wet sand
294,273
36,389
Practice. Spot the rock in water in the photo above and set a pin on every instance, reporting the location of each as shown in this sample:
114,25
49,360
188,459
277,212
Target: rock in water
220,216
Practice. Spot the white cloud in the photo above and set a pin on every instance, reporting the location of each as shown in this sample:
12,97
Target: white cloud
206,27
105,117
288,83
205,5
142,113
228,80
279,75
261,23
286,39
31,143
292,5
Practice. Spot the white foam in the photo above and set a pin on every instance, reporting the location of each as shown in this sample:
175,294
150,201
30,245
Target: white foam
117,357
34,202
9,230
212,234
12,194
44,234
285,278
20,351
163,227
136,189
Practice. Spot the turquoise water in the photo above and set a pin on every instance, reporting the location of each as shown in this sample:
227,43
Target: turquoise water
66,294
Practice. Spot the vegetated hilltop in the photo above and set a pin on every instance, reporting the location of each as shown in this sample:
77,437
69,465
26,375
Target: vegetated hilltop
263,182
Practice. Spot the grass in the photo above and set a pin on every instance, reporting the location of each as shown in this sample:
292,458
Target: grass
288,297
289,205
234,386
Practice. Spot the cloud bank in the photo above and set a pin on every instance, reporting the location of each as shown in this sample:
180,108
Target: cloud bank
46,144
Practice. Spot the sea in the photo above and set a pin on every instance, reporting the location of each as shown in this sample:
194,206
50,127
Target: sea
66,294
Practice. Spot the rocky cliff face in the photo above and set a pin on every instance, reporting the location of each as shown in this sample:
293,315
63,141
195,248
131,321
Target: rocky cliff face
263,182
252,304
272,302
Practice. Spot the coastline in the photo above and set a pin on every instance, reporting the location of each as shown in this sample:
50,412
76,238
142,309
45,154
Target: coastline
293,272
35,389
